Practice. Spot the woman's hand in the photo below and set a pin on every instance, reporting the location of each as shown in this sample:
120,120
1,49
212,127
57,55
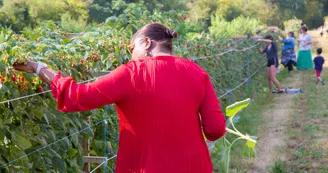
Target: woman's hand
308,43
259,40
280,38
45,74
30,67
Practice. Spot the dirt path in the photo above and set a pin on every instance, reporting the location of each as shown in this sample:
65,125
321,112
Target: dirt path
276,121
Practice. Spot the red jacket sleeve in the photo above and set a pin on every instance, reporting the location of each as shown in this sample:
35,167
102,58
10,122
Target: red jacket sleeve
212,118
73,97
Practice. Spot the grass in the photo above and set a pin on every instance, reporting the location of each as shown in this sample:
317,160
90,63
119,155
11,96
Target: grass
278,167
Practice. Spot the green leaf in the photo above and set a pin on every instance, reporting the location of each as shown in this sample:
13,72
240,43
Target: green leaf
90,132
21,142
250,144
16,152
37,112
224,159
71,152
67,143
249,150
28,165
54,153
51,134
46,118
109,63
111,20
233,109
41,140
47,160
59,164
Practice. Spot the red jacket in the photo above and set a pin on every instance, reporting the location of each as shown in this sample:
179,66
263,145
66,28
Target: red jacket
163,103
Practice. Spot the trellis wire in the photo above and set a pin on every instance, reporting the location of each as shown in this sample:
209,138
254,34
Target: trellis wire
223,53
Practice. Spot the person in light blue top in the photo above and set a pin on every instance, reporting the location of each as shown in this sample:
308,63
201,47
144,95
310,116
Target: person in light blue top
288,58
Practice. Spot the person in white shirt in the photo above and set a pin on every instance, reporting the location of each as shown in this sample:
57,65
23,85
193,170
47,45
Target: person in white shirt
304,59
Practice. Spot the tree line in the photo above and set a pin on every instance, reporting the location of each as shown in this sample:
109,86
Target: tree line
76,15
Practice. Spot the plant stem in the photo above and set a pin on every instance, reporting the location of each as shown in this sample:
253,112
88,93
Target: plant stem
241,135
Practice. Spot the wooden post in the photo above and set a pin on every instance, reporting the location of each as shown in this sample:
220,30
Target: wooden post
94,159
85,144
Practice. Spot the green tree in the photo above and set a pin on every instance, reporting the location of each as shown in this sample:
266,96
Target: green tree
259,9
241,25
14,14
200,11
99,10
310,11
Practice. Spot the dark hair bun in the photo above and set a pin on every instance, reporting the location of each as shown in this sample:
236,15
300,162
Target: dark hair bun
171,33
174,34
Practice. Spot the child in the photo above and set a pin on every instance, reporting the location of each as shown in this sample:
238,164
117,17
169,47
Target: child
318,62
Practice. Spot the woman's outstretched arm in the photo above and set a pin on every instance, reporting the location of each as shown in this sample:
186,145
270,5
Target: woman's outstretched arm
265,40
73,97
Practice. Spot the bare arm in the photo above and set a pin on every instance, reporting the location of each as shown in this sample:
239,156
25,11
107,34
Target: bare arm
264,40
45,74
260,50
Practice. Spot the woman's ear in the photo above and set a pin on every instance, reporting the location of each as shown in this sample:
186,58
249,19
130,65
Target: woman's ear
148,42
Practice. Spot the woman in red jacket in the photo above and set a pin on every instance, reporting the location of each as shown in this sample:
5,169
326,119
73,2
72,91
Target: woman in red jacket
163,101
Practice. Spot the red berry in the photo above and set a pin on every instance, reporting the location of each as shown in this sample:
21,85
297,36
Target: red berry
13,78
184,17
40,89
95,58
21,79
3,79
82,61
22,88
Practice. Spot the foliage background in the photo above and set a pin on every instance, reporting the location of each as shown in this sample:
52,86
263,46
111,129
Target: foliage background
19,14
